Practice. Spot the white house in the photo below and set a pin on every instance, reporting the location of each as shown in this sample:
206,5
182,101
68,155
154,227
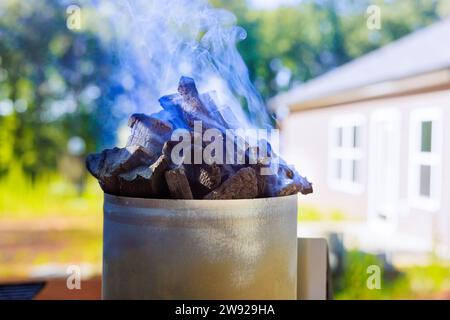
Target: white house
374,137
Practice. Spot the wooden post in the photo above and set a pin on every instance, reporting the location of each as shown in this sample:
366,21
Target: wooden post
312,272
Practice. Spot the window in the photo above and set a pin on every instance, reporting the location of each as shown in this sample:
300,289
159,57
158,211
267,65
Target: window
425,162
345,161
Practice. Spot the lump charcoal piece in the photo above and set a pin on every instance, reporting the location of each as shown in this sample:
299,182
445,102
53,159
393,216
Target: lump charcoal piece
192,106
199,175
188,106
261,153
171,103
117,160
193,174
305,185
108,164
172,106
136,183
205,176
178,184
227,171
270,184
288,190
192,102
145,181
148,132
215,115
94,163
158,181
173,117
266,183
167,151
242,185
288,182
301,183
210,176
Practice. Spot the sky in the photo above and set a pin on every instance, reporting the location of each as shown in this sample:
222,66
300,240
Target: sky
270,4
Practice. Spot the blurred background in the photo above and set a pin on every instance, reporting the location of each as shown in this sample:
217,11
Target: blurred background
348,91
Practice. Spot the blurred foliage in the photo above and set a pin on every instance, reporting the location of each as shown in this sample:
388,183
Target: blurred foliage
55,84
292,44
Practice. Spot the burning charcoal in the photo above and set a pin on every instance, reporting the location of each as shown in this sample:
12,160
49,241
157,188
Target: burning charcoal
202,177
108,164
145,182
210,176
178,184
215,114
158,181
149,133
117,160
224,117
192,102
167,148
265,182
288,190
193,108
291,177
172,106
136,183
288,182
145,168
305,185
242,185
228,171
171,103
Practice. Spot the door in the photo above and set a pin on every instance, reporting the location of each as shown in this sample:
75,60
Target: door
384,169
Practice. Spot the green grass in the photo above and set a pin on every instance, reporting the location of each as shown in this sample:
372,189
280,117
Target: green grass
309,213
413,282
48,222
48,195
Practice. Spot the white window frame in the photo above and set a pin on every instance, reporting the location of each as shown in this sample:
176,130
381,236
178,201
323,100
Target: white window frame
433,159
346,153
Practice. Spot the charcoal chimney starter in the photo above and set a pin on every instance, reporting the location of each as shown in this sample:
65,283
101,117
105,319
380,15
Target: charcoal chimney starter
200,249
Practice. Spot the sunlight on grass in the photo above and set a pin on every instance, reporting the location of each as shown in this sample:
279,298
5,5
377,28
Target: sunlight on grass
48,222
309,213
413,282
49,195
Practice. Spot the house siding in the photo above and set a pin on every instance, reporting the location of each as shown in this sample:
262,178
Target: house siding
305,143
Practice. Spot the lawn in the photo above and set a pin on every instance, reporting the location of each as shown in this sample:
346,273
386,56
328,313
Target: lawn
47,225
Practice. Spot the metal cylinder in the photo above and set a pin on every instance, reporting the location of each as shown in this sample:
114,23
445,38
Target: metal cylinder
199,249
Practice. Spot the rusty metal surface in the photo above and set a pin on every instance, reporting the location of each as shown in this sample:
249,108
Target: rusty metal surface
200,249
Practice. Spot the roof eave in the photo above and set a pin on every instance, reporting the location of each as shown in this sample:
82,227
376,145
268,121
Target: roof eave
425,82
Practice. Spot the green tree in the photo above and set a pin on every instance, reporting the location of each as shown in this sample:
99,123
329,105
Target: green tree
54,85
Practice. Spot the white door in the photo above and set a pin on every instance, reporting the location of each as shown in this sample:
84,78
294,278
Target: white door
384,168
